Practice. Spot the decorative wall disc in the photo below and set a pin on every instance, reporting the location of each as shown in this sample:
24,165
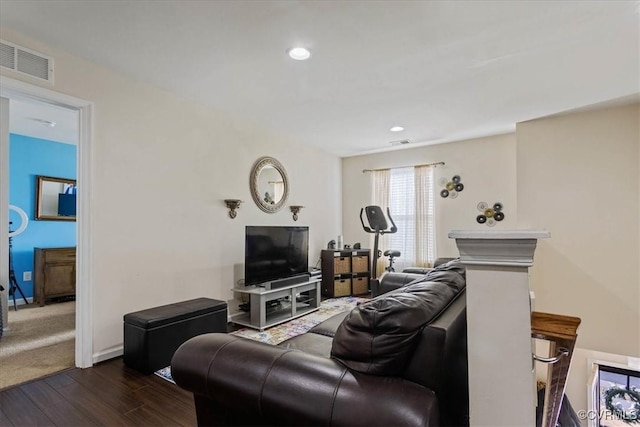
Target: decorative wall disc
451,187
490,215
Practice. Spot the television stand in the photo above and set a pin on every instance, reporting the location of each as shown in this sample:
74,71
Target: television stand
293,301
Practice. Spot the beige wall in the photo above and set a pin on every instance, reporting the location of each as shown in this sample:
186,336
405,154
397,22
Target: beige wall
486,166
161,167
578,177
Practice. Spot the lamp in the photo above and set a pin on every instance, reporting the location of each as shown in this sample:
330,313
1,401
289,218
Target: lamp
232,204
295,210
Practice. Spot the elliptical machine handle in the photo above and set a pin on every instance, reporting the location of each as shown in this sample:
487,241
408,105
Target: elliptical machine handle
367,229
393,228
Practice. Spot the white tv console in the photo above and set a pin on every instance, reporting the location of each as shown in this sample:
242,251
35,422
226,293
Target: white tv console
270,307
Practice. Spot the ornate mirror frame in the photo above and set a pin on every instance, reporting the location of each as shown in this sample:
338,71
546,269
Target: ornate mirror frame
254,182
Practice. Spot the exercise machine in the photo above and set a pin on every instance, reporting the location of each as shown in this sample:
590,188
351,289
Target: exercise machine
377,225
391,254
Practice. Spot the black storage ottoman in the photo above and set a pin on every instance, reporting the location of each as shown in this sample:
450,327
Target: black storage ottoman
152,336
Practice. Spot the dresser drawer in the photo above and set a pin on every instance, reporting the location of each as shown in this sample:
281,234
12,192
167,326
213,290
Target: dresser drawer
54,273
60,255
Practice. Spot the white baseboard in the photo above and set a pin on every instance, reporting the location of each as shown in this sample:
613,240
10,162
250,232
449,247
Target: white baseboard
19,301
108,354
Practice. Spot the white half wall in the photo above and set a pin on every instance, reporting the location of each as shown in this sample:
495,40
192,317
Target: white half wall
486,165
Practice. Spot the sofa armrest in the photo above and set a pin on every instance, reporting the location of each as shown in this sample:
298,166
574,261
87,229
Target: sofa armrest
249,380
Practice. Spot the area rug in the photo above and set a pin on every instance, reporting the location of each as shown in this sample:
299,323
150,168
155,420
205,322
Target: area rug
284,331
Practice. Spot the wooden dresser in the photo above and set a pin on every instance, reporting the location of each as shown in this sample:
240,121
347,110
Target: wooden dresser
54,273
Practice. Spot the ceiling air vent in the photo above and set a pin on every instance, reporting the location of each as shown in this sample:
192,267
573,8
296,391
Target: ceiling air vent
400,142
26,61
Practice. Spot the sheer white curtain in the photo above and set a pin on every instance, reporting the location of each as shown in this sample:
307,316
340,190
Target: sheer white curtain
408,192
380,197
425,222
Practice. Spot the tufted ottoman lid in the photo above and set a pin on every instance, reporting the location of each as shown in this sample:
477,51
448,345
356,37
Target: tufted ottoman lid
165,314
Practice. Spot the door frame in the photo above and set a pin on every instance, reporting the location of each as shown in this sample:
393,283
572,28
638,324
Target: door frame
16,89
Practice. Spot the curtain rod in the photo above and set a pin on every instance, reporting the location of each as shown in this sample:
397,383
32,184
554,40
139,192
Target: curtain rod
398,167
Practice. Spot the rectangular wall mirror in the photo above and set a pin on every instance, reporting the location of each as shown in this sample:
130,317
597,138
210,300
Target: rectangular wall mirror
55,199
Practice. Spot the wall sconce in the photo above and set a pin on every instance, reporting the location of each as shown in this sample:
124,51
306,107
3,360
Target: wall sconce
295,210
232,204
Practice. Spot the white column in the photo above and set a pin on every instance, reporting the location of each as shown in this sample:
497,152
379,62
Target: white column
501,378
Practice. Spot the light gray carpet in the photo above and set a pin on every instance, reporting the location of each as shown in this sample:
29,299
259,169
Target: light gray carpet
38,341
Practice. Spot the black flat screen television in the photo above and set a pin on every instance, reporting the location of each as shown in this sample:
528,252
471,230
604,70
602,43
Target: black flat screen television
273,252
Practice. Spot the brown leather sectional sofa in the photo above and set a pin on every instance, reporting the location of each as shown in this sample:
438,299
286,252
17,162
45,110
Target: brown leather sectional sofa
398,359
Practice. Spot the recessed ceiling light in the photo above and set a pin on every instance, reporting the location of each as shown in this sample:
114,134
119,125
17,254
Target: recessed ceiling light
397,129
299,53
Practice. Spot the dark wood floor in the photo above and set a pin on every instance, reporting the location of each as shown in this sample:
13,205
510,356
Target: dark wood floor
106,394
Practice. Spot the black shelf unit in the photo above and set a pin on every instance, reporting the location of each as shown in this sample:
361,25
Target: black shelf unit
345,272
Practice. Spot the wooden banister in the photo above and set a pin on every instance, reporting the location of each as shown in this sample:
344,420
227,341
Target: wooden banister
561,332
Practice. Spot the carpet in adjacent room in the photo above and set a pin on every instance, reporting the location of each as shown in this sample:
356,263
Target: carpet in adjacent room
38,341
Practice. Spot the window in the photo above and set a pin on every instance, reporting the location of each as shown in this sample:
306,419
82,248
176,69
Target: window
408,192
616,396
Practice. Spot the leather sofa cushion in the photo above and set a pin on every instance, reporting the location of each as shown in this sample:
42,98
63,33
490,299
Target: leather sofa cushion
317,344
453,273
377,337
328,327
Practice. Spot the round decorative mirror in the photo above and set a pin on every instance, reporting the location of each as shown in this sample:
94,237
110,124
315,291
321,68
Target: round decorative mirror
269,184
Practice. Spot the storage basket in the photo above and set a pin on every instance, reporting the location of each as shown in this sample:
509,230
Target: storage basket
360,264
342,288
360,285
341,265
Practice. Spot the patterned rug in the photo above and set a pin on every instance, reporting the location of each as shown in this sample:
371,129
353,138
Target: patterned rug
284,331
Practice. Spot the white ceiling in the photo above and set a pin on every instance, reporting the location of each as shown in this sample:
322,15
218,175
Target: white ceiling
34,119
445,70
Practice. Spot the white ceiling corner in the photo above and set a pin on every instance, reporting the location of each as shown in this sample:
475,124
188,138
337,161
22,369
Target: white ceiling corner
445,70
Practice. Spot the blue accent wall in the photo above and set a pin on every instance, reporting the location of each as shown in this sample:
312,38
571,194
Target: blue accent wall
28,158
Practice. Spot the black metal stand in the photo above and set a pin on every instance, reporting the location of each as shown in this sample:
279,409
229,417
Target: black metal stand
13,283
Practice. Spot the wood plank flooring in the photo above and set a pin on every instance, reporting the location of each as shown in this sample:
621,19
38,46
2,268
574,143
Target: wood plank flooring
106,394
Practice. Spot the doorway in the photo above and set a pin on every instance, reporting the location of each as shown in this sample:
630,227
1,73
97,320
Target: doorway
40,335
11,89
